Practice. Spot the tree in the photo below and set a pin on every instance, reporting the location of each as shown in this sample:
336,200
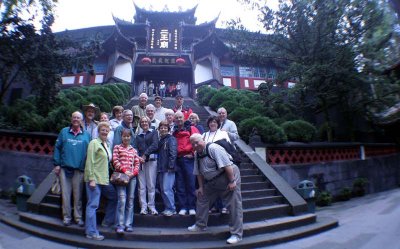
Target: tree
324,45
34,54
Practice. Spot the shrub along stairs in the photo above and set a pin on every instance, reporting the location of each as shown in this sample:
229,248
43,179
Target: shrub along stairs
273,213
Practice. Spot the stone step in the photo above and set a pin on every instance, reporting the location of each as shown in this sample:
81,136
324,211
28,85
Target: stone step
253,210
246,165
247,172
258,193
255,185
253,178
251,239
174,234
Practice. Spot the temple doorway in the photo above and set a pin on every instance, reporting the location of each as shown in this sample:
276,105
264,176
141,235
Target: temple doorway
148,78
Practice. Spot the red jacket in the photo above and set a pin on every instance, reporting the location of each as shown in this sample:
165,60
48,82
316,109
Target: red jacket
186,112
183,139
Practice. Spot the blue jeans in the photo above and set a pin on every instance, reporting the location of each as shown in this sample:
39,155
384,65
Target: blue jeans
93,200
185,183
162,93
126,198
167,180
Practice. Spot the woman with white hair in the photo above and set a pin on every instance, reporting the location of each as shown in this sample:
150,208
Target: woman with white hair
146,143
169,117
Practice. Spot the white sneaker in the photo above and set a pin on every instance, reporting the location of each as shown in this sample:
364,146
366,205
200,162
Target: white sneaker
233,239
192,212
224,211
183,212
196,228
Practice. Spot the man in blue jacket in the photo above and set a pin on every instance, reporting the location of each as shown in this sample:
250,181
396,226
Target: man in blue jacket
69,161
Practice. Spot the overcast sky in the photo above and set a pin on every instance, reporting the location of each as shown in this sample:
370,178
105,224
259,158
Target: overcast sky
75,14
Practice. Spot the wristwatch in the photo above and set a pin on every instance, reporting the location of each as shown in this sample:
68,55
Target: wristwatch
232,181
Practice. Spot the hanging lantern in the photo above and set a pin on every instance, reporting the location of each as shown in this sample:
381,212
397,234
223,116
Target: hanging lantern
180,61
146,60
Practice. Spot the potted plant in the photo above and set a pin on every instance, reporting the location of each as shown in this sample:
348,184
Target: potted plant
324,198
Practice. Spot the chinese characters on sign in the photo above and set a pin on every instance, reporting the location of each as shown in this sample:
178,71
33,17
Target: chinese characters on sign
164,39
162,60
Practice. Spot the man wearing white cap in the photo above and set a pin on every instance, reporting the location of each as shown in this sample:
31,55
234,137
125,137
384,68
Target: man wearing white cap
140,109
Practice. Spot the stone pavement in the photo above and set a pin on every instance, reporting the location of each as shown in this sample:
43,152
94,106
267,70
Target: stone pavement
370,222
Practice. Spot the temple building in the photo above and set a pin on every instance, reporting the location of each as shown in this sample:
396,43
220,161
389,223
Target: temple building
169,47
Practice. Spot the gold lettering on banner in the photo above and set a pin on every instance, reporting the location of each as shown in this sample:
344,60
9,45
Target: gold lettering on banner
164,39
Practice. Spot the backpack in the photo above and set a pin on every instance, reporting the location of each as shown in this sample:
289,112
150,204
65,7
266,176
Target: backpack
229,148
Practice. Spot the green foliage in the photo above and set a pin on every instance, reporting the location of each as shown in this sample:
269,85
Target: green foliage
23,115
242,113
299,130
107,94
324,198
344,194
229,105
266,128
335,50
60,117
218,99
204,94
359,186
121,95
101,102
125,88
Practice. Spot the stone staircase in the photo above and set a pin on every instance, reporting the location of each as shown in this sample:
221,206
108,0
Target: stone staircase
273,213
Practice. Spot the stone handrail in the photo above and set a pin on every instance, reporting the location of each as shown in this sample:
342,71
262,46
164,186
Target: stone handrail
297,203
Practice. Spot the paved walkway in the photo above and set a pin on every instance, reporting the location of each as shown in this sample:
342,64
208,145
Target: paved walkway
370,222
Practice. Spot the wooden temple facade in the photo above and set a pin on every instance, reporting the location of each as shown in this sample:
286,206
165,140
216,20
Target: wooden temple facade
169,47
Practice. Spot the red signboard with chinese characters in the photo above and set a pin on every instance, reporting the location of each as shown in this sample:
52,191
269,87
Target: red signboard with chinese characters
159,60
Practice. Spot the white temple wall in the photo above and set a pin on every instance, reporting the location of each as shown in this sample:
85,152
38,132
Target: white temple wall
123,71
203,72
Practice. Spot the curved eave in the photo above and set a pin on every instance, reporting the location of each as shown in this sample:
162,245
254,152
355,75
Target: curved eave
210,44
142,15
120,21
117,40
144,11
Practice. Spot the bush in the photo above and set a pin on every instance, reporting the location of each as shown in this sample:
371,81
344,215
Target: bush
125,88
204,94
359,185
241,113
324,199
122,97
299,130
344,194
60,117
268,130
100,102
229,105
218,99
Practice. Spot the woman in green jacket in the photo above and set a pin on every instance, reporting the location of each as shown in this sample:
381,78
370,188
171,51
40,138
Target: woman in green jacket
97,182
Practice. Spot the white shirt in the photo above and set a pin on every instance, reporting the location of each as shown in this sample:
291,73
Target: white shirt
212,136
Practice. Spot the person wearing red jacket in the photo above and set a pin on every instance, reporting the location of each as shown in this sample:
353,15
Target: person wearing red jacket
126,160
184,109
184,179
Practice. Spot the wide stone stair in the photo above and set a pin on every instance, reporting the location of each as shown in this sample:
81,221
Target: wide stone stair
273,213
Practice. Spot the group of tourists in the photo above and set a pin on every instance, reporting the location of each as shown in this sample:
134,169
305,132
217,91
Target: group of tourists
150,146
162,89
